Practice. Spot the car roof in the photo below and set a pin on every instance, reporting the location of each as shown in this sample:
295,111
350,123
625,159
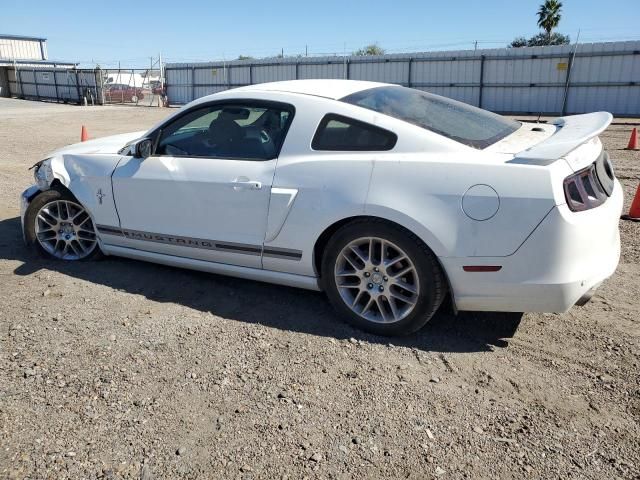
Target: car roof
328,88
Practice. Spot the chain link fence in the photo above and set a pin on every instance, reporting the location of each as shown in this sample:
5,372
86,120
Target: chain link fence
94,86
131,86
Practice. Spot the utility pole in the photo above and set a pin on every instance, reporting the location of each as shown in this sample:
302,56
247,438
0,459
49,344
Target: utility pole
475,45
161,68
15,72
224,68
568,80
306,50
344,55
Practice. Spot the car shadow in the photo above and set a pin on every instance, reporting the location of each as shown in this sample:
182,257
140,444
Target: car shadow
247,301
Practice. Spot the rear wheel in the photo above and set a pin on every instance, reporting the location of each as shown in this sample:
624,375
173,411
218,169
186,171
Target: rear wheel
381,278
59,227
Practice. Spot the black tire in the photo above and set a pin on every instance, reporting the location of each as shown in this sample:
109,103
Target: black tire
432,282
34,207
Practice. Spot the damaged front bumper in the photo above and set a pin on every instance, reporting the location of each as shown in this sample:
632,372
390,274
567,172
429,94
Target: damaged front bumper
25,199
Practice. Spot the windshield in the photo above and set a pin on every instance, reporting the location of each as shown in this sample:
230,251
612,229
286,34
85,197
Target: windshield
458,121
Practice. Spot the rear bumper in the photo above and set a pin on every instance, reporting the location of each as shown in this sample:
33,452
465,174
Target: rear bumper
568,255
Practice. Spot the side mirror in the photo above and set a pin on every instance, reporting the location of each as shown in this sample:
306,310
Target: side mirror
144,148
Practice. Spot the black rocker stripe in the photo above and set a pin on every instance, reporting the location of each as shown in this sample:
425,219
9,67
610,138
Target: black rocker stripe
201,243
109,230
239,248
282,253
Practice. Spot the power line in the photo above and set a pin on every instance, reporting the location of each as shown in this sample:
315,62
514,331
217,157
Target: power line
338,49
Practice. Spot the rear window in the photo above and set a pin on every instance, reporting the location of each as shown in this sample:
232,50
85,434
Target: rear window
336,132
458,121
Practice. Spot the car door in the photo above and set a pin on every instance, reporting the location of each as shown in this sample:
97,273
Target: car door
204,192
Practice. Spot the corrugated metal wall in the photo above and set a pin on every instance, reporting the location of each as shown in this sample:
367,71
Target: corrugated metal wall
602,76
56,84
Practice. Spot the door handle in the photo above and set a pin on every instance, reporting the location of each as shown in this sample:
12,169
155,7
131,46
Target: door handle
242,184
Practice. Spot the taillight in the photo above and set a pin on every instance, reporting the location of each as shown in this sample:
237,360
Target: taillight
583,191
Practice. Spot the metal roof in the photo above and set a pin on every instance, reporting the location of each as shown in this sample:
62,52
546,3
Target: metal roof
21,37
329,88
39,63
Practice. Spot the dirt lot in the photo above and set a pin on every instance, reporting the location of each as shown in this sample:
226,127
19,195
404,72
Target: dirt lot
123,369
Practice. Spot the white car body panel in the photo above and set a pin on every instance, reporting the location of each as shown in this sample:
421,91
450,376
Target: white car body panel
85,169
425,190
572,132
280,205
257,274
186,197
527,136
327,88
329,190
106,145
86,175
186,212
562,259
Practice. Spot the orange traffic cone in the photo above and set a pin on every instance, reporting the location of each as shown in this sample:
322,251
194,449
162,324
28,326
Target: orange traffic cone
84,136
634,211
633,141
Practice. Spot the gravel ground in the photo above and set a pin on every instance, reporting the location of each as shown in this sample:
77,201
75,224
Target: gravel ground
123,369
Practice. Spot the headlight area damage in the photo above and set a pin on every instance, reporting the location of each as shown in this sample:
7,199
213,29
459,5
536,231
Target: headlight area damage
82,178
43,173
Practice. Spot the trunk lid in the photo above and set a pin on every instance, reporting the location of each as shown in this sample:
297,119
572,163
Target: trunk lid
574,138
570,148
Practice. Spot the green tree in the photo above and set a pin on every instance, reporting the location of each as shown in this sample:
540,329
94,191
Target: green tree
373,49
544,39
549,16
541,39
245,57
519,42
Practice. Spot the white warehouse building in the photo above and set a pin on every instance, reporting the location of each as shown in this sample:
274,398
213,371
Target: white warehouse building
17,47
22,52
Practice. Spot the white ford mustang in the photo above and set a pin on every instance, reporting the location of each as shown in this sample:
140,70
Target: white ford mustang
387,198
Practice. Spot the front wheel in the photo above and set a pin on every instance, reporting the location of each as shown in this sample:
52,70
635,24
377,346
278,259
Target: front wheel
381,278
59,227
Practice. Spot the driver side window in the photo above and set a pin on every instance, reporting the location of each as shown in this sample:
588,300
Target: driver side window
231,131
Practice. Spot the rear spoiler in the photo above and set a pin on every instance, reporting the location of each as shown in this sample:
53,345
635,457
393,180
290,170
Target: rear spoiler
571,132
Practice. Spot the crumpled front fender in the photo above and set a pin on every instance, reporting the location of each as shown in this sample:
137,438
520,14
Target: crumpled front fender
88,178
25,199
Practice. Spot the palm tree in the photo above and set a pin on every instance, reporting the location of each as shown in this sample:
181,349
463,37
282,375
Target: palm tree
549,16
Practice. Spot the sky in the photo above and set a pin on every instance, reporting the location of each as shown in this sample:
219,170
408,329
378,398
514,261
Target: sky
131,32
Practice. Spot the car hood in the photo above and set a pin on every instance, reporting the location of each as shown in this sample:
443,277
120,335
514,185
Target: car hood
105,145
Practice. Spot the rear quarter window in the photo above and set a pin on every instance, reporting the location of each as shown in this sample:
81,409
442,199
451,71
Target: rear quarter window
458,121
339,133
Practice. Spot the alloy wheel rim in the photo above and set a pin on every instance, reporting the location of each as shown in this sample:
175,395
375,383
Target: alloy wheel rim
377,280
65,230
